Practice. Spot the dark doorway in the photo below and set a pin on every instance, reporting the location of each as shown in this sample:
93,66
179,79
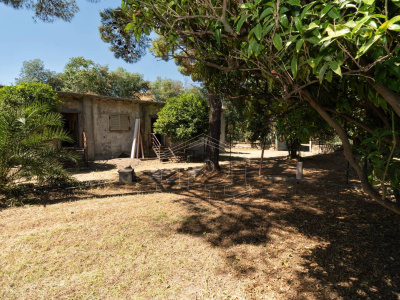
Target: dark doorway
71,126
158,136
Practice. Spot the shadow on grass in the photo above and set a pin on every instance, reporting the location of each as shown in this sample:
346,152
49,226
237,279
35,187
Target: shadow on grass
92,167
357,254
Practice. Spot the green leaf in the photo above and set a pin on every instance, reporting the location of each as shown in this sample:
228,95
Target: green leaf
394,20
247,5
383,28
364,48
379,16
146,30
241,21
299,44
394,27
283,19
254,48
335,34
329,76
293,66
368,2
258,31
266,12
277,41
322,72
359,24
335,66
312,26
218,35
267,28
350,24
129,26
291,40
298,24
305,9
334,13
313,40
294,2
325,10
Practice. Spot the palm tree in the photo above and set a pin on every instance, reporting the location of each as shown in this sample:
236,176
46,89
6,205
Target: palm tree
27,152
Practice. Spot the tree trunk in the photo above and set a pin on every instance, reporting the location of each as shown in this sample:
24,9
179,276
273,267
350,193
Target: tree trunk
391,97
293,146
348,153
262,155
214,128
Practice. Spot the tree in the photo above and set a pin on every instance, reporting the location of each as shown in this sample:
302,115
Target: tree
164,89
34,71
26,94
28,127
47,11
84,76
127,85
199,72
183,117
298,47
123,43
299,124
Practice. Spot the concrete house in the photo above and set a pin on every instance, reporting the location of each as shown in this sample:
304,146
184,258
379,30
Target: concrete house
108,123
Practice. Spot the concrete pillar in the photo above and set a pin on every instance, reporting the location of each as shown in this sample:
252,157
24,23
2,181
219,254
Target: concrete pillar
88,126
222,135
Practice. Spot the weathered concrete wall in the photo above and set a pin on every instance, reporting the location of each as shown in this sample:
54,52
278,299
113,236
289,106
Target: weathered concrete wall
94,119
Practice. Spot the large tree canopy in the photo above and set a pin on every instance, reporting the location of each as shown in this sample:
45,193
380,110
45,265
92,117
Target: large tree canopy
163,89
123,43
332,56
47,11
82,75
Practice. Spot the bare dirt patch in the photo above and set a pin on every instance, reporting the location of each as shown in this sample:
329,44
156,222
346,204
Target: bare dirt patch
210,236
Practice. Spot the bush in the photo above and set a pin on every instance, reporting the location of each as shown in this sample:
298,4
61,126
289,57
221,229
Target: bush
28,128
183,117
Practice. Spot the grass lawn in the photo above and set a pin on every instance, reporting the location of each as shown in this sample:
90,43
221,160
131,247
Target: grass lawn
315,240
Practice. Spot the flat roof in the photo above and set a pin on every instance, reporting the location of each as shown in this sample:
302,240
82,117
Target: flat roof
99,97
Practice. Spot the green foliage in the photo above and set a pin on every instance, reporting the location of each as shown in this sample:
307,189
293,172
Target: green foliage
183,117
123,43
28,129
26,94
164,89
127,85
383,168
34,71
304,51
47,11
298,125
235,121
84,76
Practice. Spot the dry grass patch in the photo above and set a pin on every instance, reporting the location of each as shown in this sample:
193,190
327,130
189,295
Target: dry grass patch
313,240
120,247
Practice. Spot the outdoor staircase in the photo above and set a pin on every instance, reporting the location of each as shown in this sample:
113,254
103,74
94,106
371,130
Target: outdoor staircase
176,152
163,153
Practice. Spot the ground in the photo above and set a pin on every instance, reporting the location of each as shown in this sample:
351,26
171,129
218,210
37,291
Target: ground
198,235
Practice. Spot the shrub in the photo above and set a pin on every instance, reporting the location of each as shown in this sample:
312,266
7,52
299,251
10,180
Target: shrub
183,117
29,125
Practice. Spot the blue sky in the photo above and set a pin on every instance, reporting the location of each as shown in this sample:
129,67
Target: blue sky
54,43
